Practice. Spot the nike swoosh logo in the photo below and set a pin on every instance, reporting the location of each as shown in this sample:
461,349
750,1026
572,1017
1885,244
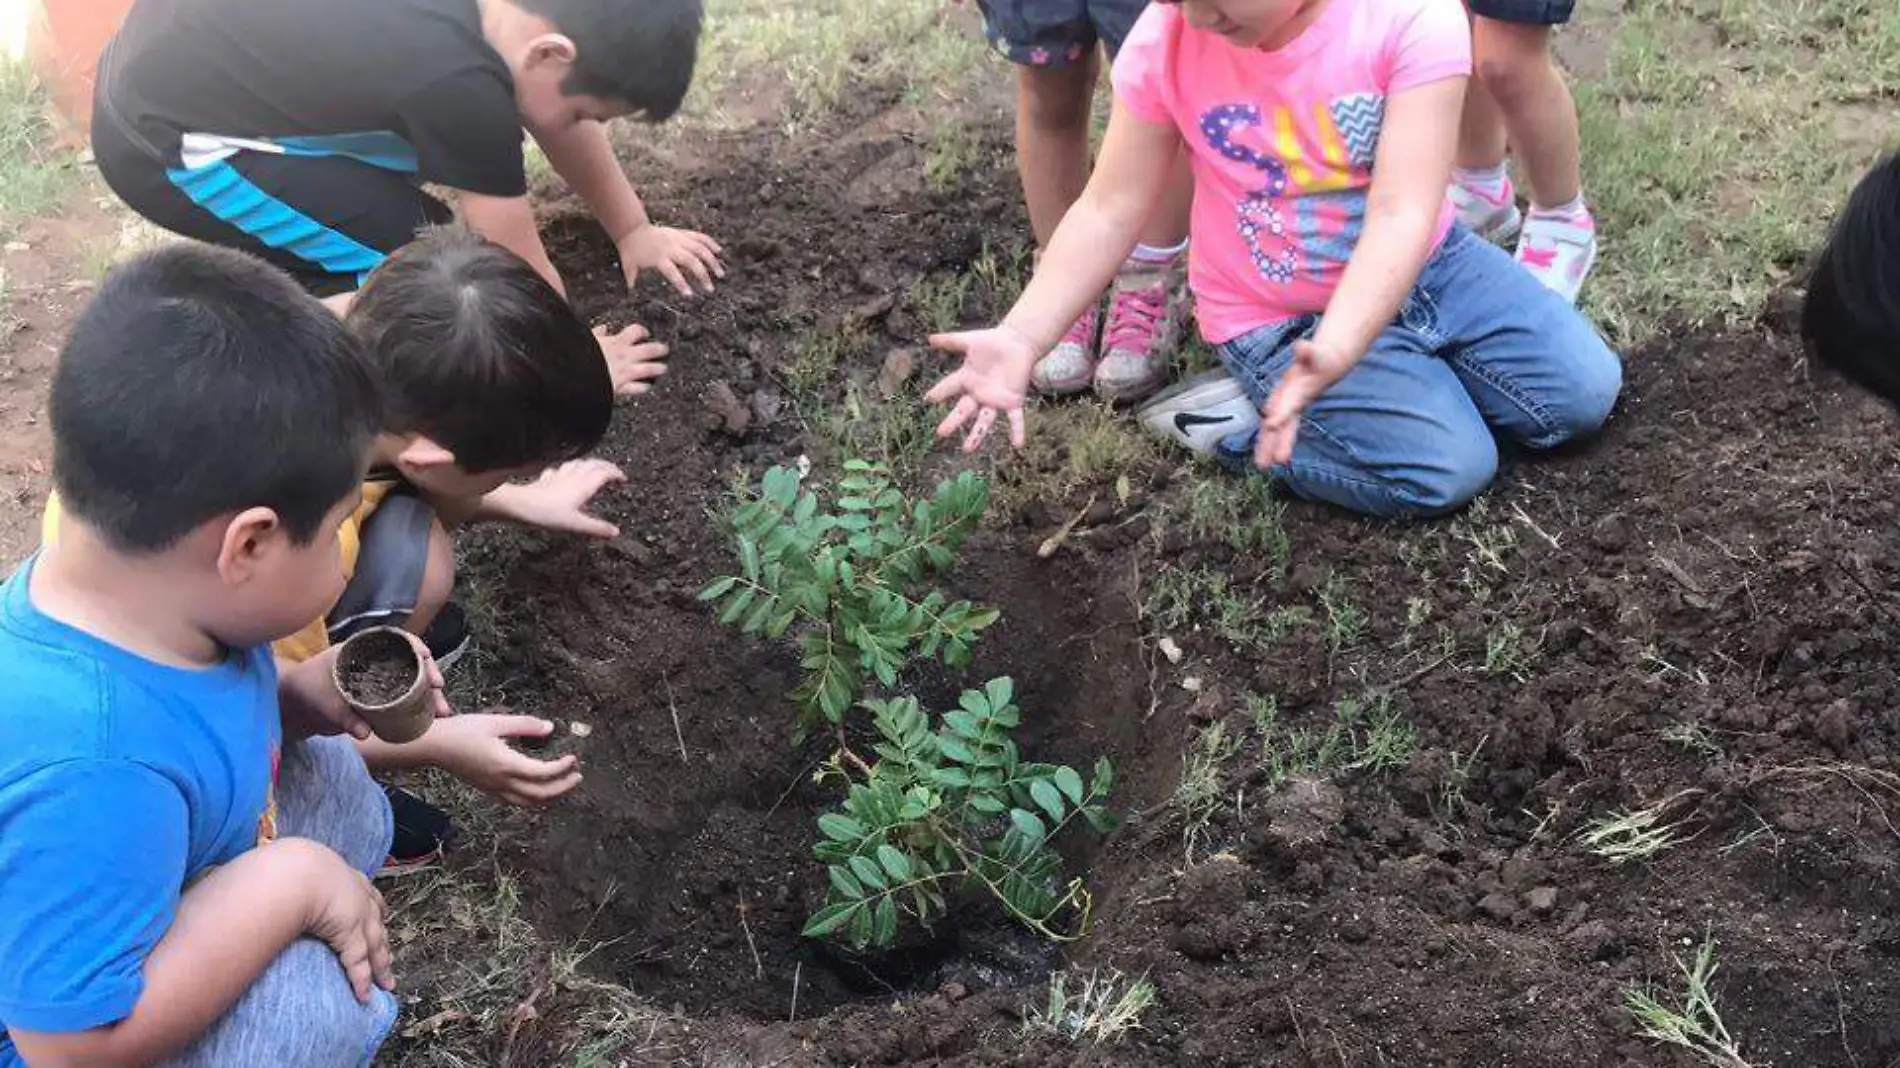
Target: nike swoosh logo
1185,421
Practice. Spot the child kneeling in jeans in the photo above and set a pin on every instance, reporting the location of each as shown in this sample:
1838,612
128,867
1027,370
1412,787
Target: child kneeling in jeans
184,868
1382,341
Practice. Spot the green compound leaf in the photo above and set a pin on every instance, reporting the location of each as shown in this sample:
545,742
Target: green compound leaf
832,917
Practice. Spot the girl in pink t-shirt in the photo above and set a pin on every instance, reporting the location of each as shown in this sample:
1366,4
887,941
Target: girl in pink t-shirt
1371,345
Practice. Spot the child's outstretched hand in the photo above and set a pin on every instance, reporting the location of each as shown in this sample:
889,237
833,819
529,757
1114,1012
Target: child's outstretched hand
558,500
474,748
633,359
994,378
1314,369
675,254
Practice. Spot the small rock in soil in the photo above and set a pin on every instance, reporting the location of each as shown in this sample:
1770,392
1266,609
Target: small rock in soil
766,404
900,366
1498,906
1542,901
733,416
1611,533
874,309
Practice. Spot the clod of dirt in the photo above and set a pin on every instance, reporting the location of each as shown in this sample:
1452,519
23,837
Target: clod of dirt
1611,533
1542,901
730,414
1498,905
380,674
1211,914
874,309
1297,821
900,366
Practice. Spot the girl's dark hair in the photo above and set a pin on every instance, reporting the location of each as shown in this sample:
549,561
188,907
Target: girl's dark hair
1851,318
478,353
636,52
197,383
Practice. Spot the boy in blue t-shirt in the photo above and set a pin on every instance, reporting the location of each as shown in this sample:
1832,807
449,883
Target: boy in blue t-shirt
183,854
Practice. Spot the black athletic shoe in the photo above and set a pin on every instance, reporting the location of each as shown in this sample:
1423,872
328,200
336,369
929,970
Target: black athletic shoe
447,637
423,832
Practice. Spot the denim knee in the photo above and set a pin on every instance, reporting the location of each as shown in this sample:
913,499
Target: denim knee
1583,404
1447,475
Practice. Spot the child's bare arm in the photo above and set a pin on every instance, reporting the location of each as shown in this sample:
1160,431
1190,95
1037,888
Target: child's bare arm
557,500
1094,238
509,222
1410,173
228,928
582,155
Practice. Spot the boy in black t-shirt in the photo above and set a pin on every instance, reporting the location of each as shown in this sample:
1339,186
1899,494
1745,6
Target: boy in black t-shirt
302,130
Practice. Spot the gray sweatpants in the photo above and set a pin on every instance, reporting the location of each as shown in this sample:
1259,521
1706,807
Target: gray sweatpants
301,1012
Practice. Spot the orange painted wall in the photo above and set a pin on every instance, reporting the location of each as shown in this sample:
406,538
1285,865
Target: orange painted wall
65,42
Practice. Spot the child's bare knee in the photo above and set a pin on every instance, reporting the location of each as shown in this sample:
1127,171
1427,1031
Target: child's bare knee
1513,61
1056,99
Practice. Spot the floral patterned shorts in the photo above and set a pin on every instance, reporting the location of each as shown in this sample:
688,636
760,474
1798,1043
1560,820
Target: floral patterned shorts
1052,33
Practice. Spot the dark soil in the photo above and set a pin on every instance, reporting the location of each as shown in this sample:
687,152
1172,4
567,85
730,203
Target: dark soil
378,670
1698,605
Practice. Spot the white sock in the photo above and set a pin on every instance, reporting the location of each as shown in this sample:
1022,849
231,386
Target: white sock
1150,254
1574,211
1491,181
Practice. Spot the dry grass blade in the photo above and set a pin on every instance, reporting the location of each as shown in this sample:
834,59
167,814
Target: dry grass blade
1623,837
1693,1023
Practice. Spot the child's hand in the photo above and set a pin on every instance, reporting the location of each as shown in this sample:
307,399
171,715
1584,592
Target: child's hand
632,359
673,253
311,705
994,377
558,500
1314,369
348,917
474,748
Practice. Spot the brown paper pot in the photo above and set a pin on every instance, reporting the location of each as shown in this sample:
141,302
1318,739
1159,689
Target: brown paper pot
407,717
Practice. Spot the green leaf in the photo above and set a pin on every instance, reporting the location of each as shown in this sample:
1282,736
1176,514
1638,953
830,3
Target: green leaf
964,724
749,559
718,588
953,778
955,749
895,864
1100,818
1000,691
842,882
832,917
1047,798
861,930
737,606
1104,778
1069,783
885,931
840,828
988,803
1024,821
868,873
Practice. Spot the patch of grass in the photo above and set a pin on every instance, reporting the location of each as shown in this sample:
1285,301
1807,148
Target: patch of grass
1245,514
1718,141
1691,1021
952,152
815,362
1107,1006
1693,737
1198,796
1504,652
34,173
1365,733
1001,275
938,300
1192,597
898,432
1623,837
821,48
1345,621
1450,804
1075,446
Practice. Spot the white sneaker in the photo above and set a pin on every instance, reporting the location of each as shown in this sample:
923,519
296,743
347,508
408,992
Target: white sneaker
1558,253
1496,219
1200,412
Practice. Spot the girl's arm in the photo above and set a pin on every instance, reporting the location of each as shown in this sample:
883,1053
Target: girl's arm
582,155
1410,172
1094,238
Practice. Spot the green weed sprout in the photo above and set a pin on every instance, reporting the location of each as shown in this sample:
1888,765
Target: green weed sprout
1108,1006
1694,1023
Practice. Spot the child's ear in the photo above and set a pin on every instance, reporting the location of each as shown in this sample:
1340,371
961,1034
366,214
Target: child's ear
423,455
551,49
248,538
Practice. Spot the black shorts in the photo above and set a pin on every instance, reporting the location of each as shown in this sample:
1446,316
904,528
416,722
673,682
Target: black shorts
327,220
1054,33
1524,12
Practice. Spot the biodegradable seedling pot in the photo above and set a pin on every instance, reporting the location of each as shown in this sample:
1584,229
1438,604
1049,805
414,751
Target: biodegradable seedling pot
380,673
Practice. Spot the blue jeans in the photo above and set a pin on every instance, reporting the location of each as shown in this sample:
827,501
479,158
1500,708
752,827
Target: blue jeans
1478,346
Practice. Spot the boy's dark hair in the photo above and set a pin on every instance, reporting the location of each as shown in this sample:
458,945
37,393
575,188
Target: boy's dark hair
477,352
199,382
637,52
1851,319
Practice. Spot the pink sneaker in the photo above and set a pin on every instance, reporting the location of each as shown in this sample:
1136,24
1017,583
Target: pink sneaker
1559,252
1494,218
1070,366
1142,333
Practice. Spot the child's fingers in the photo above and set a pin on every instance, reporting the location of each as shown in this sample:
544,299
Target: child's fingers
950,385
1016,433
979,430
958,416
697,268
527,769
353,955
382,963
671,272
